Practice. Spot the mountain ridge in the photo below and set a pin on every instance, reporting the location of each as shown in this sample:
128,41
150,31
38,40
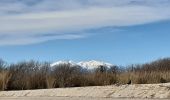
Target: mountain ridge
91,64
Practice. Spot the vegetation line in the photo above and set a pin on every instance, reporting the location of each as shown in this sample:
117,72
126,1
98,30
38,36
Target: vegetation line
36,75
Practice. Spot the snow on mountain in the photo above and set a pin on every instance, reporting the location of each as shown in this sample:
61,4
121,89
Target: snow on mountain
93,64
67,62
85,64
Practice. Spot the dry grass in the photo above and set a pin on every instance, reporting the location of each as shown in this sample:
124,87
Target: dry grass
35,75
4,79
50,81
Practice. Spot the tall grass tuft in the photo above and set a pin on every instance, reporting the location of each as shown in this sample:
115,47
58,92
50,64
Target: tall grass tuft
4,79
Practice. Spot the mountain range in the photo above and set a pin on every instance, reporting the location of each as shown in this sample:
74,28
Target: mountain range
92,64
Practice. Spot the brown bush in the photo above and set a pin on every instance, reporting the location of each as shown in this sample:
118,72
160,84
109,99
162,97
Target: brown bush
4,79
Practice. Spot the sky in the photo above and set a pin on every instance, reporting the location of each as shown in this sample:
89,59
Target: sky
121,32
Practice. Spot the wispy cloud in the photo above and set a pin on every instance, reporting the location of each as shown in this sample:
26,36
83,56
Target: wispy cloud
35,21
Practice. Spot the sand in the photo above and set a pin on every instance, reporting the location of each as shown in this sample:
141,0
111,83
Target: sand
71,98
159,91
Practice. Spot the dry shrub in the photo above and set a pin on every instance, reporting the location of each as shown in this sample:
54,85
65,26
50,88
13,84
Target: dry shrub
104,79
36,75
50,81
67,75
123,78
4,79
28,75
145,77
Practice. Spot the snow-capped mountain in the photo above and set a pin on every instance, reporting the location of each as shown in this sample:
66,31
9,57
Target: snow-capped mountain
85,64
93,64
68,62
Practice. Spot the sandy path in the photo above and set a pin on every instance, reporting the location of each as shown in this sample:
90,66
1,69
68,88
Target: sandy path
69,98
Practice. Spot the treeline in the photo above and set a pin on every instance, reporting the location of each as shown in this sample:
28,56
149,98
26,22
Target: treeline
36,75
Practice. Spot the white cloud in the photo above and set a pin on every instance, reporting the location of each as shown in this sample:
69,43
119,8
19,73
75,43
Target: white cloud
22,40
21,23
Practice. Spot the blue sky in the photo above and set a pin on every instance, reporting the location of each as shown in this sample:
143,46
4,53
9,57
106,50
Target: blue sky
119,32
